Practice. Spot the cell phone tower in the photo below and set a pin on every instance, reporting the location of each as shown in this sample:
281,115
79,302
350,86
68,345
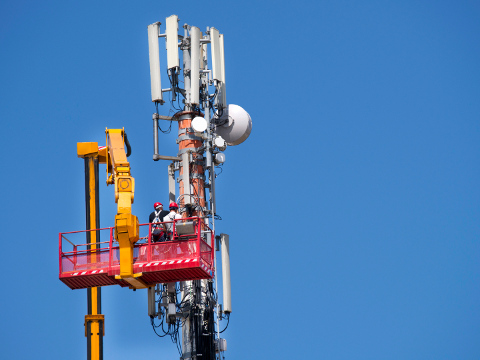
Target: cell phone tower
206,126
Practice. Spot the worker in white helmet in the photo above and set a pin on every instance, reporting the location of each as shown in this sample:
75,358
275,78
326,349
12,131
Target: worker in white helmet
168,219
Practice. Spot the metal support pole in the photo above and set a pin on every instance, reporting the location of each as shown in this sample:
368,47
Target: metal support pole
171,183
213,205
94,320
197,332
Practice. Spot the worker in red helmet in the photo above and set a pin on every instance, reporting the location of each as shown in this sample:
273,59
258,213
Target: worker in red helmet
155,218
172,215
158,212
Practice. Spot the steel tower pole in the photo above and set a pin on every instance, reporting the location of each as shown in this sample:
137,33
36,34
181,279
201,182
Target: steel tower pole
197,332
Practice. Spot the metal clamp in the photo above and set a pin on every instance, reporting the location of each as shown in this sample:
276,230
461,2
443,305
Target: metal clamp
192,176
191,149
98,318
188,137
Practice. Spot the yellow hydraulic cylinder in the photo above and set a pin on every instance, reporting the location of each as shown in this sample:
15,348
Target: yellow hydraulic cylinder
126,233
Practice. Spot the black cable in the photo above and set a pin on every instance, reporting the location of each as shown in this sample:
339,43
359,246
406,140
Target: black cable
178,101
173,86
153,327
228,322
152,319
166,131
218,114
127,144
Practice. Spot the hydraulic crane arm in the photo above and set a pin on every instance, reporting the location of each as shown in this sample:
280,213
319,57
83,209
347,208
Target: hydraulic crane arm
126,224
118,170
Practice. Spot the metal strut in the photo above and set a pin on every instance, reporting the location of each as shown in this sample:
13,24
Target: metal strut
94,320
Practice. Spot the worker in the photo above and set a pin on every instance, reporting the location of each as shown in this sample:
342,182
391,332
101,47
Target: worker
168,219
155,218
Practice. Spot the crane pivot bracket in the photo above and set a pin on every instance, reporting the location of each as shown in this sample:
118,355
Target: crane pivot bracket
133,281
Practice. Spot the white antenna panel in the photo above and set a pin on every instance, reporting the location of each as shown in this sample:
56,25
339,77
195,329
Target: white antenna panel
195,65
222,99
222,59
216,62
237,127
204,62
153,51
203,56
172,42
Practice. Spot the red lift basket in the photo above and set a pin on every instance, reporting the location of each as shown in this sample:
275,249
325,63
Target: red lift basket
187,256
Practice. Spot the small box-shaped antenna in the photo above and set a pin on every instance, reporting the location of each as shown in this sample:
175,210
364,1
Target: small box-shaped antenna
195,65
172,42
153,51
215,44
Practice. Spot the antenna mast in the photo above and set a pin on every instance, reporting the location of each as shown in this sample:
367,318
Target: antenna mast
206,125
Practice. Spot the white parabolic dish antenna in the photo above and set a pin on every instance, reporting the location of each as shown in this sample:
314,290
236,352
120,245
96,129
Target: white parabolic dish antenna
199,124
238,127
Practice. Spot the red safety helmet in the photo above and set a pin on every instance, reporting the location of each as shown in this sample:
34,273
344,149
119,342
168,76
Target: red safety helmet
157,204
173,205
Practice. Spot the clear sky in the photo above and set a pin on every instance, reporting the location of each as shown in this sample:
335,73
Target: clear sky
352,208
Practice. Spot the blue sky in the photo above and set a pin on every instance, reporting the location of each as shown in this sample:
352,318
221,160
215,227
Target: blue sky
352,208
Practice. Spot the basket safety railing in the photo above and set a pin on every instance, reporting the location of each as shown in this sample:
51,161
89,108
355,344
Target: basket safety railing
189,238
85,255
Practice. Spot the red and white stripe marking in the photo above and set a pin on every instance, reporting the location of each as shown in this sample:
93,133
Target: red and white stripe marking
170,262
146,266
90,272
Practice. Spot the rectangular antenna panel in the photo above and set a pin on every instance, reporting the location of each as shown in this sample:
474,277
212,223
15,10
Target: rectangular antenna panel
154,55
195,65
203,54
172,42
151,294
227,288
222,99
204,62
216,62
186,178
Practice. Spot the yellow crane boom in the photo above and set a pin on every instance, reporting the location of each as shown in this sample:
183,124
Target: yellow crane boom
126,224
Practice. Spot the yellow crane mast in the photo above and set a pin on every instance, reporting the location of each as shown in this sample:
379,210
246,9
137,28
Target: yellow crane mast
126,224
94,320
